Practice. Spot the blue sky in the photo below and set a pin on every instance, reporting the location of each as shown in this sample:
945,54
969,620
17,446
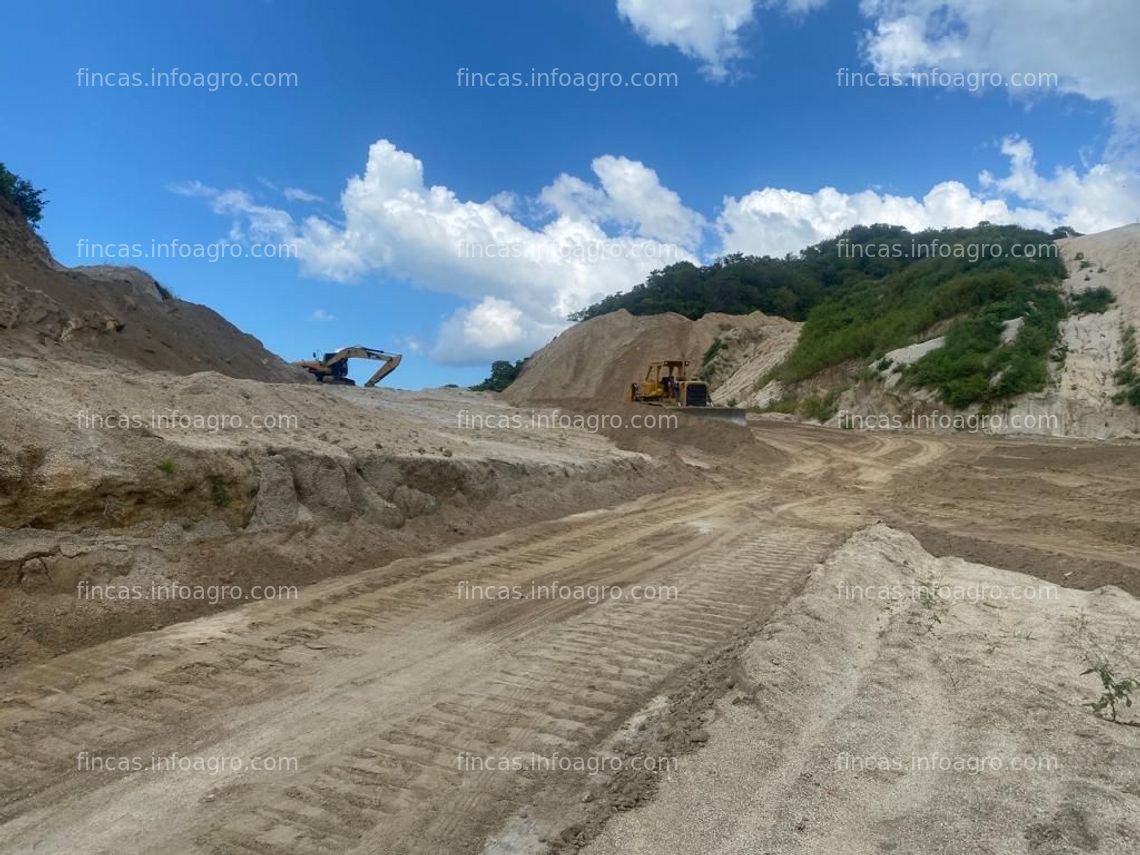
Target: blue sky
459,223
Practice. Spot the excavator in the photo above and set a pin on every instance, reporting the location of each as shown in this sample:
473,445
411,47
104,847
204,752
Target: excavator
667,384
334,367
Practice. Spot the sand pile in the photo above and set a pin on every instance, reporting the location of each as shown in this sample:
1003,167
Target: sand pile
112,316
593,363
206,479
912,704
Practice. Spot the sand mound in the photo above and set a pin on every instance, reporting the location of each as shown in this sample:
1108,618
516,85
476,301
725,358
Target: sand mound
594,362
911,704
108,316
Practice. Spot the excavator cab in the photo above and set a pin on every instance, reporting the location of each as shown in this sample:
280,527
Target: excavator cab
338,368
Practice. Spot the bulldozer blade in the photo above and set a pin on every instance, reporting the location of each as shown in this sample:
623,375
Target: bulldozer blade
721,414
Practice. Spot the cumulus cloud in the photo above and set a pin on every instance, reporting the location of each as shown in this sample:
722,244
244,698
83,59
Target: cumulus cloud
488,330
1089,44
322,315
705,30
631,195
519,281
1105,196
776,221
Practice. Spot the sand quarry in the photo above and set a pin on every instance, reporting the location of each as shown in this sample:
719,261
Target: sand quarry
498,629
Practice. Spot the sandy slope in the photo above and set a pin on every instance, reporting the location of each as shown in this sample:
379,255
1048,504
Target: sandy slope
114,316
154,477
749,356
896,724
593,363
1082,397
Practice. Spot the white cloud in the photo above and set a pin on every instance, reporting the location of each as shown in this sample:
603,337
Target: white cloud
705,30
1091,45
192,189
296,194
1107,195
486,331
322,315
630,195
776,221
518,282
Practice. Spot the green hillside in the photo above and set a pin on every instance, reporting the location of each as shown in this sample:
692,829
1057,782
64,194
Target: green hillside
879,287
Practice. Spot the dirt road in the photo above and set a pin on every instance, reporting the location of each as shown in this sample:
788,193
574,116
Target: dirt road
388,699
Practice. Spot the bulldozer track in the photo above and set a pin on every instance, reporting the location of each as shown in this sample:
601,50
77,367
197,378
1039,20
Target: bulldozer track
376,683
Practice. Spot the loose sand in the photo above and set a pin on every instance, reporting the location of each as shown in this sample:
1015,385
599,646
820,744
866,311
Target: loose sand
877,718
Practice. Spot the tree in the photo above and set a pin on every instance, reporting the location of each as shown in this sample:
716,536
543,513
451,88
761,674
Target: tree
503,374
22,194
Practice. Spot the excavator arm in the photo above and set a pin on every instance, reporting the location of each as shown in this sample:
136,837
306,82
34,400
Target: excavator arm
391,360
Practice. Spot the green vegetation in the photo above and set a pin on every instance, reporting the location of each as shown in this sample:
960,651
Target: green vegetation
167,466
1091,301
1116,690
218,492
876,288
503,374
870,317
1127,376
22,194
974,366
818,407
711,353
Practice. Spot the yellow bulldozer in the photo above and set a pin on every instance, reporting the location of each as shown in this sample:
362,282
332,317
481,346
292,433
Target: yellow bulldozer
333,368
667,384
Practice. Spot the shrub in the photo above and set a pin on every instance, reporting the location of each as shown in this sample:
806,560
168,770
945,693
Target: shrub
22,194
1091,301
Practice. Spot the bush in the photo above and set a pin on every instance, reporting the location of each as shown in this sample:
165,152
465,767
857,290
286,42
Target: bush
1091,301
22,194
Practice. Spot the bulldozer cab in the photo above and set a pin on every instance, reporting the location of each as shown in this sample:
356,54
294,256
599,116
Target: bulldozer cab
674,370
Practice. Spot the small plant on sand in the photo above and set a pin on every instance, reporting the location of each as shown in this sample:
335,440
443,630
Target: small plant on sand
167,466
218,491
1117,690
932,604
